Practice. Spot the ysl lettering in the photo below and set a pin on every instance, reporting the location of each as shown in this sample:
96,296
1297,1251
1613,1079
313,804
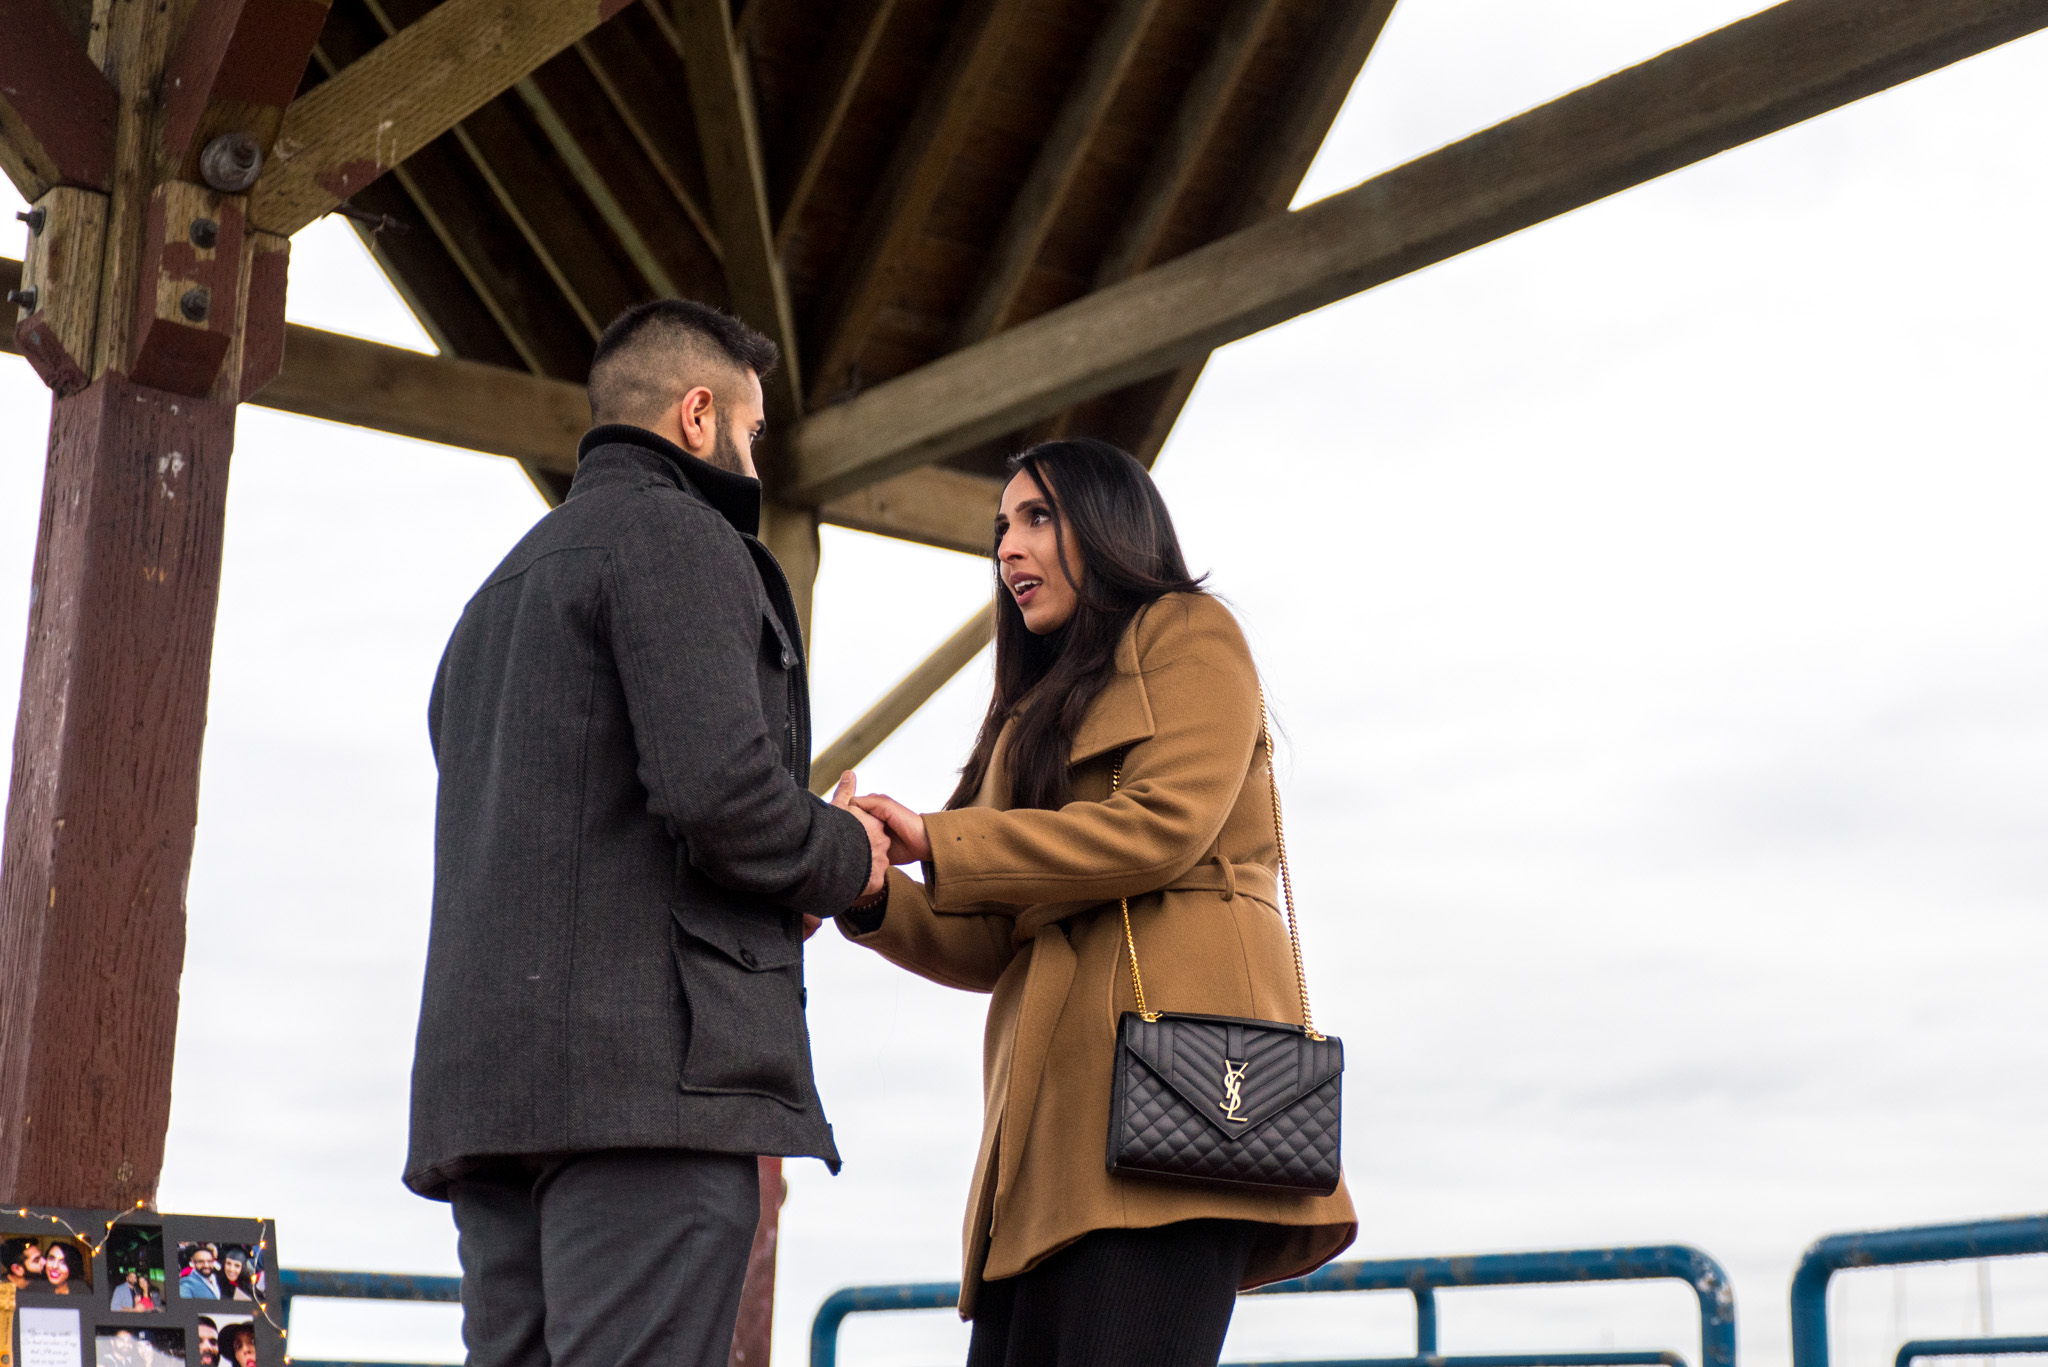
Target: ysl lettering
1233,1074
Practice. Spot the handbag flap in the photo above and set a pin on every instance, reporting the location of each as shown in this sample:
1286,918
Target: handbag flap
1237,1073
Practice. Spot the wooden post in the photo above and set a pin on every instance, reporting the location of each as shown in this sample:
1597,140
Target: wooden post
754,1330
155,308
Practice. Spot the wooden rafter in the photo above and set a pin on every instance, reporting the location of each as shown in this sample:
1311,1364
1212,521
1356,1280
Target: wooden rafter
934,506
1060,159
1344,43
597,187
57,111
1202,106
855,38
911,186
405,93
646,134
1754,77
721,95
896,706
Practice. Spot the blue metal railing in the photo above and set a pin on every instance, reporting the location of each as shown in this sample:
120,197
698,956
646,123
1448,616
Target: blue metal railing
361,1286
1970,1348
1420,1277
1889,1248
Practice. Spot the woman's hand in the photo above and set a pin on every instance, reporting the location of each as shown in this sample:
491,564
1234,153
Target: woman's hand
907,841
880,843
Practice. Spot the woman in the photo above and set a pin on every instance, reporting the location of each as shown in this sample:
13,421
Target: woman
238,1344
1107,651
236,1284
60,1263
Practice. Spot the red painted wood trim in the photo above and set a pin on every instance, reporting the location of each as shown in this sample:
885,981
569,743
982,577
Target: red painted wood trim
751,1335
105,790
53,98
252,53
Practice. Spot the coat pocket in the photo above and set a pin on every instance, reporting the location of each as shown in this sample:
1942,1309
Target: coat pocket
742,985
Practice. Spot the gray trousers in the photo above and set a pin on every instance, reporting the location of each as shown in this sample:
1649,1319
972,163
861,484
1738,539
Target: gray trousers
617,1258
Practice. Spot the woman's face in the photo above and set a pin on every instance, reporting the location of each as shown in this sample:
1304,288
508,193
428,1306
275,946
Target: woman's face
57,1265
245,1351
1028,554
231,1268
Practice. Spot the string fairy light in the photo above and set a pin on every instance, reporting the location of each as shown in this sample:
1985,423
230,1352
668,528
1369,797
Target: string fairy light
93,1250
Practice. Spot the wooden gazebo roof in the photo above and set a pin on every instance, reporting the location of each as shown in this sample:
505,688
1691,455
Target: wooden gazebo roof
934,172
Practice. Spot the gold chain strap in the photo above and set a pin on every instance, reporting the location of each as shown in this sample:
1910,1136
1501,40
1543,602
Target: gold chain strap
1308,1020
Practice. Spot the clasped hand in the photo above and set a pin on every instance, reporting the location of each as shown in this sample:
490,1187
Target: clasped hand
895,835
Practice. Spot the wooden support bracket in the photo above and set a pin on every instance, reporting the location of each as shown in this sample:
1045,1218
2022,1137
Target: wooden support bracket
57,110
61,276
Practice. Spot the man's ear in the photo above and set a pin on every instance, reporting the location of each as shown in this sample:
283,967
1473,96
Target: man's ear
696,418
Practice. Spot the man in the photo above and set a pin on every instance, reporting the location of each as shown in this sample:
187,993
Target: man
24,1259
209,1342
627,860
199,1282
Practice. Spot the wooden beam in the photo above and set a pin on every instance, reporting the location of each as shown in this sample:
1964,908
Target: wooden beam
934,506
917,171
855,38
235,68
897,706
1342,46
647,134
487,408
406,92
1060,159
538,422
721,95
1754,77
57,111
1202,107
597,188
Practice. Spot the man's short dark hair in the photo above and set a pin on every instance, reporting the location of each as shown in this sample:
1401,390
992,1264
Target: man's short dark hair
14,1253
645,359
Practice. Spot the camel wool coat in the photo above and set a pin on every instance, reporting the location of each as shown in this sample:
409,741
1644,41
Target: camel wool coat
1022,904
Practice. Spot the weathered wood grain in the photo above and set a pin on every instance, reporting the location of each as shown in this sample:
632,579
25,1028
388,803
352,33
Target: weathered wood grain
1754,77
933,506
405,93
856,36
57,111
917,173
1173,162
105,790
1038,203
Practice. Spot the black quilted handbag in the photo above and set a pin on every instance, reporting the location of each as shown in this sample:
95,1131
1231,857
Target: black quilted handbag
1222,1100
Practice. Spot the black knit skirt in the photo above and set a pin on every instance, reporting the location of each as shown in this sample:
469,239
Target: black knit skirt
1118,1298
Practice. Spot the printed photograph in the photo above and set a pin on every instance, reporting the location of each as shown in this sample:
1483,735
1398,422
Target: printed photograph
42,1265
225,1341
121,1346
219,1272
135,1268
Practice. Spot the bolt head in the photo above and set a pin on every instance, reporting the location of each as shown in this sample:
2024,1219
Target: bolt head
25,298
35,218
196,304
205,234
231,163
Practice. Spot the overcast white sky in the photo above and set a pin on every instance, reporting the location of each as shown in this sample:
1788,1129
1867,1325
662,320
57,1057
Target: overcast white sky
1656,607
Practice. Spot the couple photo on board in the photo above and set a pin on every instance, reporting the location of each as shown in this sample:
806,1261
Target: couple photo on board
629,860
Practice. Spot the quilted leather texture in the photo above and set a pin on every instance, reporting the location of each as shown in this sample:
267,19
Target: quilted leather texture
1172,1112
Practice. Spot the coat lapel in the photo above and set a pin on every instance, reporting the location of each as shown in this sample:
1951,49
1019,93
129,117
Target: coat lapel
1122,714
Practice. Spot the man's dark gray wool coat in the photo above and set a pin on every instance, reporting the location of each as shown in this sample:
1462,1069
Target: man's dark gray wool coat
624,840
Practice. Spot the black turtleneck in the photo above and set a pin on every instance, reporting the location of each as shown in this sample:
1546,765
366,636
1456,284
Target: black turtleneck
737,498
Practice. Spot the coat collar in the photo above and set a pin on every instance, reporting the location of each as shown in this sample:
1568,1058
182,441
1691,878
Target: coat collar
1122,712
736,498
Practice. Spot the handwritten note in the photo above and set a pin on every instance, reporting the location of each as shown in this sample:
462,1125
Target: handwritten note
50,1338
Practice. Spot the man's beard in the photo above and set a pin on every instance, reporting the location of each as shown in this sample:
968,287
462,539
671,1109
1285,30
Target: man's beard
725,452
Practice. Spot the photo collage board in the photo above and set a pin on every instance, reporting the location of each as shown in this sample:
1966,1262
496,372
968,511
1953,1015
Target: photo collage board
90,1289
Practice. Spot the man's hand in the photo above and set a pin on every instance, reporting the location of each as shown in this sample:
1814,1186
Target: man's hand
878,836
907,841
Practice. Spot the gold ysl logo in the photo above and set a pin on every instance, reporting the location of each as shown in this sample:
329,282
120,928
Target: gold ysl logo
1233,1074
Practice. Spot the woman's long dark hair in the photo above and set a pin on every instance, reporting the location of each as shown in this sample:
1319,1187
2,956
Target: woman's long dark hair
1128,556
